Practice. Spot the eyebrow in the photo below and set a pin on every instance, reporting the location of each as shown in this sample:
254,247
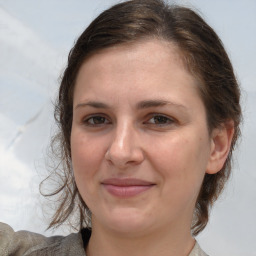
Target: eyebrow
93,104
157,103
140,105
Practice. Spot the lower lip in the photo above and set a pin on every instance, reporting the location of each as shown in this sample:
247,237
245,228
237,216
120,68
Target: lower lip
126,191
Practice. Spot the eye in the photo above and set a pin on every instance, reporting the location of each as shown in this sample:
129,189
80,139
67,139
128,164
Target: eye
160,120
96,120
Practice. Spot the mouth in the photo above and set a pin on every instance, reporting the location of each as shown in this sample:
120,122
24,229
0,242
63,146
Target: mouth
125,188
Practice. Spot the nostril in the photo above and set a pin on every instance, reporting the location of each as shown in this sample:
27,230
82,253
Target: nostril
125,146
122,159
107,155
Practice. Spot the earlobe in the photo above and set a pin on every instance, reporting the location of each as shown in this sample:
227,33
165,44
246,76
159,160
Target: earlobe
221,139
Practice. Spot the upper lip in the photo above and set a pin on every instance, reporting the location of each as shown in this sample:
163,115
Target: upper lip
125,182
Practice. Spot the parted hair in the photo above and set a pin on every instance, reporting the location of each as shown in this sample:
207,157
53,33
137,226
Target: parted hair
204,57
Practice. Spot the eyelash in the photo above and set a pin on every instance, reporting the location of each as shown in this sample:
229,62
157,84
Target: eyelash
167,120
86,121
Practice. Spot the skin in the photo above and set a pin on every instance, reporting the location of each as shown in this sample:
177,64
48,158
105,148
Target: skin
138,114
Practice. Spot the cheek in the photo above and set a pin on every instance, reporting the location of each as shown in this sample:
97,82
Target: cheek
86,154
182,172
181,162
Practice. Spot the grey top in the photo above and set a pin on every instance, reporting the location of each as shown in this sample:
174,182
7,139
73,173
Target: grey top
31,244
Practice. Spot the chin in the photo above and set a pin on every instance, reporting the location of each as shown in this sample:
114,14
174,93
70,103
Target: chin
130,228
127,222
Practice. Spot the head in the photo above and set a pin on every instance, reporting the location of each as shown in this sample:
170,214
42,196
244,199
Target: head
202,55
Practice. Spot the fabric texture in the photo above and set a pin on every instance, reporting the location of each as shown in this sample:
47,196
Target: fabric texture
197,251
24,243
31,244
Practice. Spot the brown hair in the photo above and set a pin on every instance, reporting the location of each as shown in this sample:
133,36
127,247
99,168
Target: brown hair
202,53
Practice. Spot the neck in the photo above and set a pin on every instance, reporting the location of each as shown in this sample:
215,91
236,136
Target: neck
162,242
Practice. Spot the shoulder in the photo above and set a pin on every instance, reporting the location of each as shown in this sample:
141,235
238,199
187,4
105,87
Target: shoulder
30,244
197,251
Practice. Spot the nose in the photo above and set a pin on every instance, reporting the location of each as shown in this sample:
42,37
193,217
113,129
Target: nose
125,149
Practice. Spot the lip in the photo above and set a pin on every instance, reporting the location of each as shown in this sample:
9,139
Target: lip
126,187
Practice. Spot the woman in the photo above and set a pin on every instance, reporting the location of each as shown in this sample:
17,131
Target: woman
149,114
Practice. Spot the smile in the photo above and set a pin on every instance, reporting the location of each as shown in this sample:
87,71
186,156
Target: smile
126,187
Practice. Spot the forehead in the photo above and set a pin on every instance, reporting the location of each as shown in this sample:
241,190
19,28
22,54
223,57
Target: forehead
144,68
153,49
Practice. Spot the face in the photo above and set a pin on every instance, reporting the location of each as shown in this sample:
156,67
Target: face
139,141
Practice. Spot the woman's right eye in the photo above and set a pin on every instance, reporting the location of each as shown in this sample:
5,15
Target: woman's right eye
96,121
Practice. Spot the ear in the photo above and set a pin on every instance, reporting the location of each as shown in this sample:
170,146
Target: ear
221,139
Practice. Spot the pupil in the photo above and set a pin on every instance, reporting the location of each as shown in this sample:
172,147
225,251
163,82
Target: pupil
160,119
98,120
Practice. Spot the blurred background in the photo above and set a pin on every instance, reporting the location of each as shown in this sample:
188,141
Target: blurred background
35,38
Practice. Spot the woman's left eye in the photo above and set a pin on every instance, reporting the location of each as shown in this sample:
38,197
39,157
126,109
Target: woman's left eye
160,120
